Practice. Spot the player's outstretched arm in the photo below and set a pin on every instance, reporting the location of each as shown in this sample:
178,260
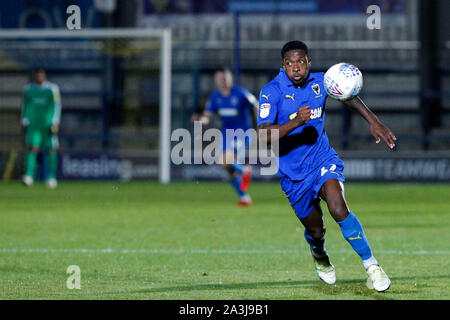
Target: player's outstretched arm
377,129
303,116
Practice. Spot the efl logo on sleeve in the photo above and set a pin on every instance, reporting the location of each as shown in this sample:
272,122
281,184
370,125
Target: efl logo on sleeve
264,110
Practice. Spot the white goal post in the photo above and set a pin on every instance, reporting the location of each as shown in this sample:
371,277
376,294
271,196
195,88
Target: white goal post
165,72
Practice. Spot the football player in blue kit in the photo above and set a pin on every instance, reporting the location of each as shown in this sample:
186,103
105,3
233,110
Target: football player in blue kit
309,169
236,106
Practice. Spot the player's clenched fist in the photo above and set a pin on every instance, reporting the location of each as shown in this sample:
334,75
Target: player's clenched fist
303,115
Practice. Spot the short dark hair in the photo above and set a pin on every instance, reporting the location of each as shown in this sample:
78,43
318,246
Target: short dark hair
38,69
223,69
293,45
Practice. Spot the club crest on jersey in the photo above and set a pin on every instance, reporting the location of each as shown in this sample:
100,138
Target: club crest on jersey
316,88
264,110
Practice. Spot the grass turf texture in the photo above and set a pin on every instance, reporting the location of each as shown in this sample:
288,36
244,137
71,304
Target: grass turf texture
191,241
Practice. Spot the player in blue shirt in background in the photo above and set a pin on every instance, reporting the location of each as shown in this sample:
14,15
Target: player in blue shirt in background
236,107
309,169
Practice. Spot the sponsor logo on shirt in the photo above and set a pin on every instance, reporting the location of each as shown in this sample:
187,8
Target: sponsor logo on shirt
228,112
39,100
316,113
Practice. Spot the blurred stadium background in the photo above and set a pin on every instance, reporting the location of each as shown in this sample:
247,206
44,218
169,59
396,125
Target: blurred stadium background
189,240
110,86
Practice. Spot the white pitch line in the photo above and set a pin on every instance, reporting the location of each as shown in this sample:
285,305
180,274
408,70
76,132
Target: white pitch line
206,251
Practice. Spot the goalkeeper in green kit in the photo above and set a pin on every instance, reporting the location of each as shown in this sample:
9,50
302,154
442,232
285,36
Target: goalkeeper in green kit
41,116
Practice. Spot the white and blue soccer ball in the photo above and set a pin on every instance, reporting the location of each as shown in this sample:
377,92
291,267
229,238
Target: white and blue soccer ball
343,81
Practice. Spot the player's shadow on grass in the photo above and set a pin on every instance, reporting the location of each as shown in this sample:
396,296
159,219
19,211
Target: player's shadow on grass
343,284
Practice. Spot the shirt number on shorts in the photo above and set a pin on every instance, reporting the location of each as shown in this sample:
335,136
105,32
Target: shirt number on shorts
323,170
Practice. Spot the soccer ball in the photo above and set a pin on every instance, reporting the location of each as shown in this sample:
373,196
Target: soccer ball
343,81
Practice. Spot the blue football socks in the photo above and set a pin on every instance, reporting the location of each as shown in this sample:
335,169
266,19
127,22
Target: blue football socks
237,167
353,232
236,183
317,245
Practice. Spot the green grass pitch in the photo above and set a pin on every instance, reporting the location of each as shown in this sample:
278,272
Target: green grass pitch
143,240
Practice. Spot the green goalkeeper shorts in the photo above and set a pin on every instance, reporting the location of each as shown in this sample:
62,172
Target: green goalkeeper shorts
41,138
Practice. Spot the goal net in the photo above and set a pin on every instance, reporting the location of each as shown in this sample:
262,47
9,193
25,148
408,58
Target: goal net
116,99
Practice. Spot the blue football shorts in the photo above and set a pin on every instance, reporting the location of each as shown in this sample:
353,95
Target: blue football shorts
303,195
237,144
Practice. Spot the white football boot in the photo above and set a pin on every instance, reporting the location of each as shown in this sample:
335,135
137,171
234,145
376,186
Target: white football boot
245,201
52,183
377,279
324,268
28,181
